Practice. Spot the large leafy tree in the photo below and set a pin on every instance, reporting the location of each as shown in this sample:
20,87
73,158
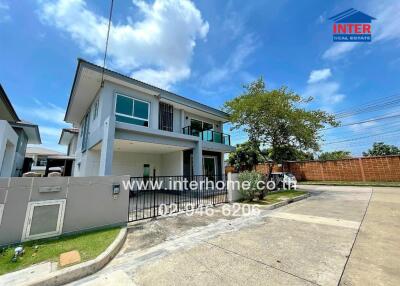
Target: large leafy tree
277,119
335,155
246,156
382,149
289,153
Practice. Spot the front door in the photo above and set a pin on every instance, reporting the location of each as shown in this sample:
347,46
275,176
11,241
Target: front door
209,168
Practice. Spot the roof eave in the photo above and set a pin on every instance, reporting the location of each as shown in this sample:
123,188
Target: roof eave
163,93
8,104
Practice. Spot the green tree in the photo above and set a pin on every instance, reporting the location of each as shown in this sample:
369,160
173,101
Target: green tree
275,118
335,155
289,153
382,149
246,156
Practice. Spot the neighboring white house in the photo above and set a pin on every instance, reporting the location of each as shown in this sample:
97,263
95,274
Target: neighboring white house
127,127
14,137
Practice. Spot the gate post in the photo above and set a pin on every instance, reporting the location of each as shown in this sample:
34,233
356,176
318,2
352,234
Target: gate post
233,187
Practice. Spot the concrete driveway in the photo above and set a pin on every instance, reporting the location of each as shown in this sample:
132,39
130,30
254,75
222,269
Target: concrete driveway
317,241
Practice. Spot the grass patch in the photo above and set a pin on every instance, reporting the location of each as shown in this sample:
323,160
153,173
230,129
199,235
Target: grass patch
89,245
276,197
351,183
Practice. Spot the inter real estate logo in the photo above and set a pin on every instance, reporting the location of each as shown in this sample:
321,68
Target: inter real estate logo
352,26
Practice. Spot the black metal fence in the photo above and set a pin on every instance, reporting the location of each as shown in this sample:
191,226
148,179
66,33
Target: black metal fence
163,195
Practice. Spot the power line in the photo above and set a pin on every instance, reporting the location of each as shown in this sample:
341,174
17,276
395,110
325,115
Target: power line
370,103
363,137
106,48
365,121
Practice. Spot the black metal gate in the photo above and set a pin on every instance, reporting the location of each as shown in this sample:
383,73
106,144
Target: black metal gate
163,195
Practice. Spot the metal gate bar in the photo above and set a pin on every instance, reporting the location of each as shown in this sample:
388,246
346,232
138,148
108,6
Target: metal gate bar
163,195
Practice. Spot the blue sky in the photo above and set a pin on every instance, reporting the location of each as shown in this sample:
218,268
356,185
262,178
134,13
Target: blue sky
204,50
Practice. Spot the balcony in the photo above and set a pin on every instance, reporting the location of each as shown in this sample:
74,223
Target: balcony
208,135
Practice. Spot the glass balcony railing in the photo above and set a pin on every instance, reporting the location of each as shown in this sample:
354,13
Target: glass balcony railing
208,135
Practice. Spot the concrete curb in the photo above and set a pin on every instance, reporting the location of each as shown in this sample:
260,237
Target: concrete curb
283,203
81,270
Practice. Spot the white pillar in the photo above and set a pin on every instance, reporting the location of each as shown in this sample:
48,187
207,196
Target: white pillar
198,158
232,186
107,147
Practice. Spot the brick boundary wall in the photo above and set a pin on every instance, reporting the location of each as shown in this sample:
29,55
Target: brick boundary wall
379,169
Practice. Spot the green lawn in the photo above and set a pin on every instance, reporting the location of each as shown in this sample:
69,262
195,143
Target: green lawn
345,183
276,197
89,245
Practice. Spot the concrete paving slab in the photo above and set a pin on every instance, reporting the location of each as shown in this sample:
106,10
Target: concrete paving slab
375,259
116,278
312,251
317,219
274,248
331,204
210,265
34,271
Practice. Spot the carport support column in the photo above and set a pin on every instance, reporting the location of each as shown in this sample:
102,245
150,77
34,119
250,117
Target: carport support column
198,159
107,147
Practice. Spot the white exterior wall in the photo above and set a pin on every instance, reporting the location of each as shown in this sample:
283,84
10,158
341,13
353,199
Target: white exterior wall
172,164
8,145
87,163
129,163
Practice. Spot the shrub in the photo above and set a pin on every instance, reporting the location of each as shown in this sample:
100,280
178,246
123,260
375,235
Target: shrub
252,178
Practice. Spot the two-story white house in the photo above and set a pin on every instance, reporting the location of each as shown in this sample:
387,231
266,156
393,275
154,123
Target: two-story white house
15,134
128,127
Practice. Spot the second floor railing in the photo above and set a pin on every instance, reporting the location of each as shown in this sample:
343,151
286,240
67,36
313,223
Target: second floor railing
208,135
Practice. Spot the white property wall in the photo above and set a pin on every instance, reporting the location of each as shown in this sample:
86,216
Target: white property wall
8,144
89,203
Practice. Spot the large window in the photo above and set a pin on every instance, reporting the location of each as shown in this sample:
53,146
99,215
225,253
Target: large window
133,111
198,126
166,117
85,132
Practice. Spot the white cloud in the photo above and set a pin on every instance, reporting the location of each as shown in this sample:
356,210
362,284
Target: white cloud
50,131
386,27
234,63
319,75
326,92
362,127
4,11
158,48
43,111
338,50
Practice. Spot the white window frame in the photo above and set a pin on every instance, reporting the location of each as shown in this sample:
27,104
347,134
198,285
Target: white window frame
215,163
1,212
96,109
133,108
28,219
203,156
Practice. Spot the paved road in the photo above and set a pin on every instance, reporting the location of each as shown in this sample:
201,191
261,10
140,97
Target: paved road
317,241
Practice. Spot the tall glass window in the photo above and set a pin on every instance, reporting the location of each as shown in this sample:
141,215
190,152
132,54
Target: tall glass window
133,111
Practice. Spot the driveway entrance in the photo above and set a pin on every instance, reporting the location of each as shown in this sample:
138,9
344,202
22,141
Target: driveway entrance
311,242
